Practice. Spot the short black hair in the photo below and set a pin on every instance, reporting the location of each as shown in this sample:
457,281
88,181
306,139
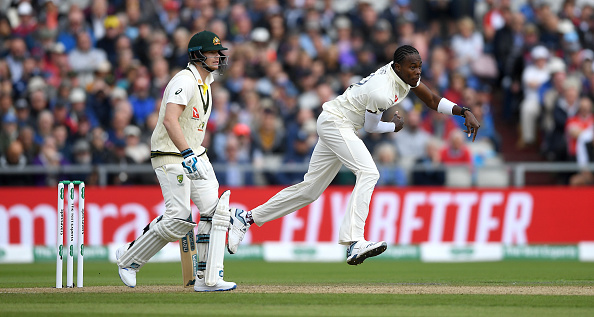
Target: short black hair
402,52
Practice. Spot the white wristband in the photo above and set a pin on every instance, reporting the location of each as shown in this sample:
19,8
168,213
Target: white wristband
445,106
383,127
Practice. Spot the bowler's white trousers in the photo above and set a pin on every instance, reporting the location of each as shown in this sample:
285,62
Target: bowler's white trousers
338,144
177,194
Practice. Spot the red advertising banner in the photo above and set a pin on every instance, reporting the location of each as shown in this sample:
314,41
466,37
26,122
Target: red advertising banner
398,216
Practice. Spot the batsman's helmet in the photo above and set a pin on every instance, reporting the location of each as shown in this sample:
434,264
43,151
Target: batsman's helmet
206,41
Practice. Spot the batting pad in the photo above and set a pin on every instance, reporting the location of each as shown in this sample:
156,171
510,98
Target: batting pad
216,248
160,232
202,243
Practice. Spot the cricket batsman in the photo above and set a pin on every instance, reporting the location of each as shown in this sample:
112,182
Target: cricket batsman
360,106
185,173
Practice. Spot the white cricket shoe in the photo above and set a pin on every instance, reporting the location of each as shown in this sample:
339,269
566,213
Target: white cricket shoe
237,229
358,251
221,285
127,274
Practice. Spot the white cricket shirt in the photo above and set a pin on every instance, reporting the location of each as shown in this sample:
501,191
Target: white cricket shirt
379,91
185,88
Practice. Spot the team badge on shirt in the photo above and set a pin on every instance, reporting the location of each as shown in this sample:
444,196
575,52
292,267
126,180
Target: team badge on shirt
180,178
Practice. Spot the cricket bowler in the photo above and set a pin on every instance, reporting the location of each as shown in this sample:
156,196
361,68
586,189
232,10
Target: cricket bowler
360,106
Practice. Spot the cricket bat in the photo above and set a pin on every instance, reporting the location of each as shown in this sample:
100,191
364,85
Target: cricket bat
189,257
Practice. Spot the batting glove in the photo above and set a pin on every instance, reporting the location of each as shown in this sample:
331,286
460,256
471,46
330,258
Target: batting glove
194,167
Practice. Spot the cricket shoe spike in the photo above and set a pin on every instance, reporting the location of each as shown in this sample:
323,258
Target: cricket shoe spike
127,274
358,251
220,286
237,230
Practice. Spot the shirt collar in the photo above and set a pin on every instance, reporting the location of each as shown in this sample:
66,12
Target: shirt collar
396,78
208,80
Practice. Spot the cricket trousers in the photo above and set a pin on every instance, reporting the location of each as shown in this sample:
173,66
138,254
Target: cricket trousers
178,190
338,144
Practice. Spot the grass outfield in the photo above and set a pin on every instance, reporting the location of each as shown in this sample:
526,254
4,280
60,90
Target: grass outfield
375,288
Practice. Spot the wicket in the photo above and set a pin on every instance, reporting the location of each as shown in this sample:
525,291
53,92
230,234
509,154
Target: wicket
70,230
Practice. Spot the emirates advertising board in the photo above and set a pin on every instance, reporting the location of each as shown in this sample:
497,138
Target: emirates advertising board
533,215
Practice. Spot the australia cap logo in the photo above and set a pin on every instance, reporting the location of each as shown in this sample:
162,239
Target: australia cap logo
216,41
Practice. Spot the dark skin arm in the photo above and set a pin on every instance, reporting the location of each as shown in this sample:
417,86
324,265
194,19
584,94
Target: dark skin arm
398,122
391,115
432,101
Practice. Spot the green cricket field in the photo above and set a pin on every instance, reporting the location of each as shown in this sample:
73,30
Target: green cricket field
374,288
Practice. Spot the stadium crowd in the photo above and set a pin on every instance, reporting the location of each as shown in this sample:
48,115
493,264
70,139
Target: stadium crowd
81,81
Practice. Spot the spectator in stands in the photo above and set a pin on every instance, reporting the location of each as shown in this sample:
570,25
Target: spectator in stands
169,16
467,46
45,122
61,117
411,141
577,124
14,159
9,131
85,59
60,135
428,168
391,173
301,151
456,151
269,135
75,24
137,150
268,138
83,131
142,103
179,54
16,57
493,20
508,44
566,106
456,89
383,41
549,93
81,155
96,18
27,139
233,174
160,77
99,152
107,43
533,77
27,21
23,113
50,158
488,132
99,103
438,71
346,53
30,71
121,119
5,33
439,125
5,103
118,156
78,108
54,63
